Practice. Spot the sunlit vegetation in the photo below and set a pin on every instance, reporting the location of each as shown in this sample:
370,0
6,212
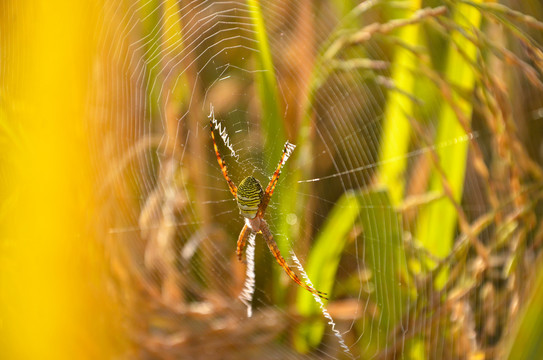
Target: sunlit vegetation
413,197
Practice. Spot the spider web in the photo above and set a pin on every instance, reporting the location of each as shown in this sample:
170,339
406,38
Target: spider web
171,222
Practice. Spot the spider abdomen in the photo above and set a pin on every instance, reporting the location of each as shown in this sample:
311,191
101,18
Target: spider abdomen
249,197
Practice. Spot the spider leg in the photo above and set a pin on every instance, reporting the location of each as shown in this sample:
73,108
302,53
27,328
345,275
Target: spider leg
286,152
222,164
275,251
242,241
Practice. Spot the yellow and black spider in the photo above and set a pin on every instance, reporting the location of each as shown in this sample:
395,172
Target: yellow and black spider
252,202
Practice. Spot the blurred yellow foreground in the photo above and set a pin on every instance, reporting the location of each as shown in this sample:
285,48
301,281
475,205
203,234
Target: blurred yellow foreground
52,304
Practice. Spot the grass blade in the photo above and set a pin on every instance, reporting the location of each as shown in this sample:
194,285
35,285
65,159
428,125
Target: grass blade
327,250
437,220
396,135
272,123
383,251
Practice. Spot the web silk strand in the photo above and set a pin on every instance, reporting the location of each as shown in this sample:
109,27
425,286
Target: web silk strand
246,295
325,312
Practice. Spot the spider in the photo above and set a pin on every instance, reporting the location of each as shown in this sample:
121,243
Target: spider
252,202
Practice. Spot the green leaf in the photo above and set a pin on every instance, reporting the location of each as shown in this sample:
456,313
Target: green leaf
525,340
437,220
396,135
384,255
326,251
272,122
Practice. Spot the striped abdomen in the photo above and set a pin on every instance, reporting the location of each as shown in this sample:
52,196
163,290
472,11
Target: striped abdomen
249,197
